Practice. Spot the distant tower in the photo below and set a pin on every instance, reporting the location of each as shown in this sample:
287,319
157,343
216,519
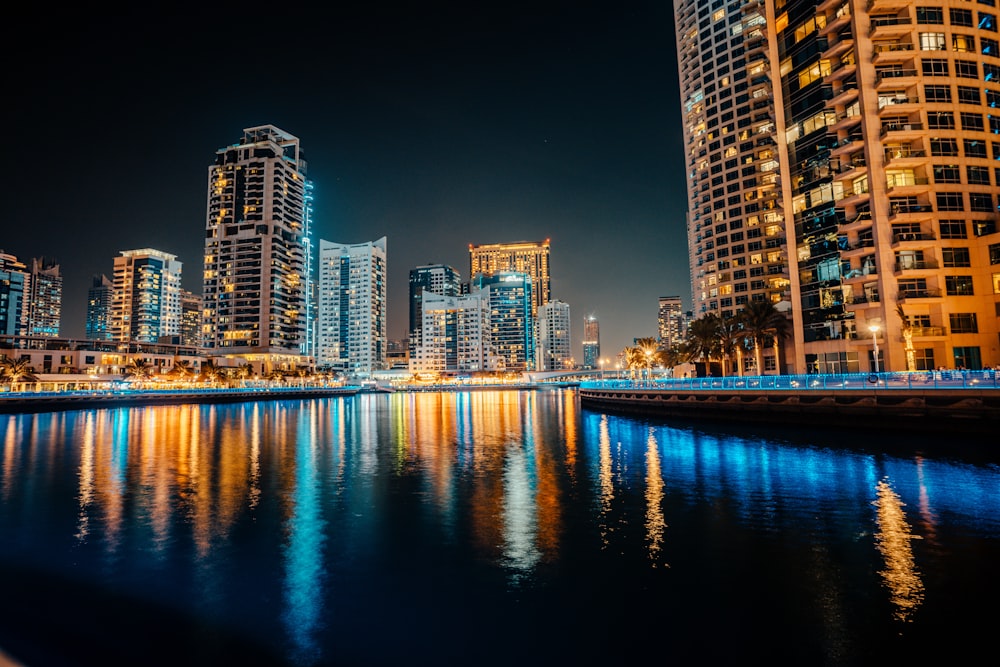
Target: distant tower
146,302
14,279
554,343
45,299
352,306
255,290
525,257
511,319
434,278
99,299
190,319
591,342
670,321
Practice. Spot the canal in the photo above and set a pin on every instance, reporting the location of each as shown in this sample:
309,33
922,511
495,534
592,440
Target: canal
488,528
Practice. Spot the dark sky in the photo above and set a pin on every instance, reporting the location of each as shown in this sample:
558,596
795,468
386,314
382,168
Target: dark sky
435,125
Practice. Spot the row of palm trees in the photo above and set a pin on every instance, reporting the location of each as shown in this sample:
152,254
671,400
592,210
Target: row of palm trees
714,337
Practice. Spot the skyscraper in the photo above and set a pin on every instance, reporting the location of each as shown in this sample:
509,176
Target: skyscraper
531,258
13,290
190,331
591,342
352,306
256,286
512,322
670,321
146,298
99,306
434,278
840,161
554,343
45,300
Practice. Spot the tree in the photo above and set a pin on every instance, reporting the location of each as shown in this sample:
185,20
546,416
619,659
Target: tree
646,354
138,369
181,370
244,372
210,372
907,329
764,324
703,341
14,370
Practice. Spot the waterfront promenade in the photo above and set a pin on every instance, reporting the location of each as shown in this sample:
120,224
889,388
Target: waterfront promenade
946,401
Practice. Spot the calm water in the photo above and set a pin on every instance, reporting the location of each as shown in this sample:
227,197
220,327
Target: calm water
483,528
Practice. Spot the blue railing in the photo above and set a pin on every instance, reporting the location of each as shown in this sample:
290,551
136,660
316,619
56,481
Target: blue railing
914,380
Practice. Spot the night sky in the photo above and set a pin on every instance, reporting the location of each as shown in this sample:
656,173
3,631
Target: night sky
435,125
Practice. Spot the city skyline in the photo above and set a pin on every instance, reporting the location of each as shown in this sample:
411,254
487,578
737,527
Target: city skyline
437,130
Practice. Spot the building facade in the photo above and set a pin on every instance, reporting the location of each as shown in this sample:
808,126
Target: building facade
591,342
100,296
858,140
255,295
555,347
146,297
190,331
351,314
670,321
437,279
512,321
44,304
456,335
14,279
527,257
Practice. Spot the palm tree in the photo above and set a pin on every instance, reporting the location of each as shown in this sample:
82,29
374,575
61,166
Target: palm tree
14,370
703,339
244,372
907,328
763,324
137,369
210,372
182,370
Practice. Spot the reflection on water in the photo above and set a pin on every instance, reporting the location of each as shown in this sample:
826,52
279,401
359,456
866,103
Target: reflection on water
321,517
893,539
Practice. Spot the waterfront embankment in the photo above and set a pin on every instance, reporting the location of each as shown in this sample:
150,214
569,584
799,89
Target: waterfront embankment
14,402
956,403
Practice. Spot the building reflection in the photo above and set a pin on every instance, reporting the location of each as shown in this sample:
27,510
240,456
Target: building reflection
900,576
655,523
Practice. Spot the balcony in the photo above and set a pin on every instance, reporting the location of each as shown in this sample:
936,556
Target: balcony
901,130
859,301
859,221
847,145
895,78
918,294
843,97
904,239
928,332
843,44
898,104
841,71
824,5
914,266
854,198
884,27
906,185
865,274
887,52
876,6
910,212
844,121
903,156
836,23
859,247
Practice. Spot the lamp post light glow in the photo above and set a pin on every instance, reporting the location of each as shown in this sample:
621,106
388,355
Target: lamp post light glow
874,329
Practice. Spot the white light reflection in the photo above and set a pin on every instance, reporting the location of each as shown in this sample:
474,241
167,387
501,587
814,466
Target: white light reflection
607,492
520,526
655,523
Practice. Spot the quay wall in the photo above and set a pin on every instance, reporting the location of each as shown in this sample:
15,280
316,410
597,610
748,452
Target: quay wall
944,410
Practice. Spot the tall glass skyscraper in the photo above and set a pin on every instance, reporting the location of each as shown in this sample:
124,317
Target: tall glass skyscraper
437,279
99,300
591,342
527,257
255,297
146,301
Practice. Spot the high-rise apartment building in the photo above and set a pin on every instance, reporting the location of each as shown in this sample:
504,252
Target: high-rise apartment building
190,331
14,279
146,297
44,303
841,164
255,296
99,309
555,348
512,322
352,307
456,335
531,258
591,342
437,279
670,321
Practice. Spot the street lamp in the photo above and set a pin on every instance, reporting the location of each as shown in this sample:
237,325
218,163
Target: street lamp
874,329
